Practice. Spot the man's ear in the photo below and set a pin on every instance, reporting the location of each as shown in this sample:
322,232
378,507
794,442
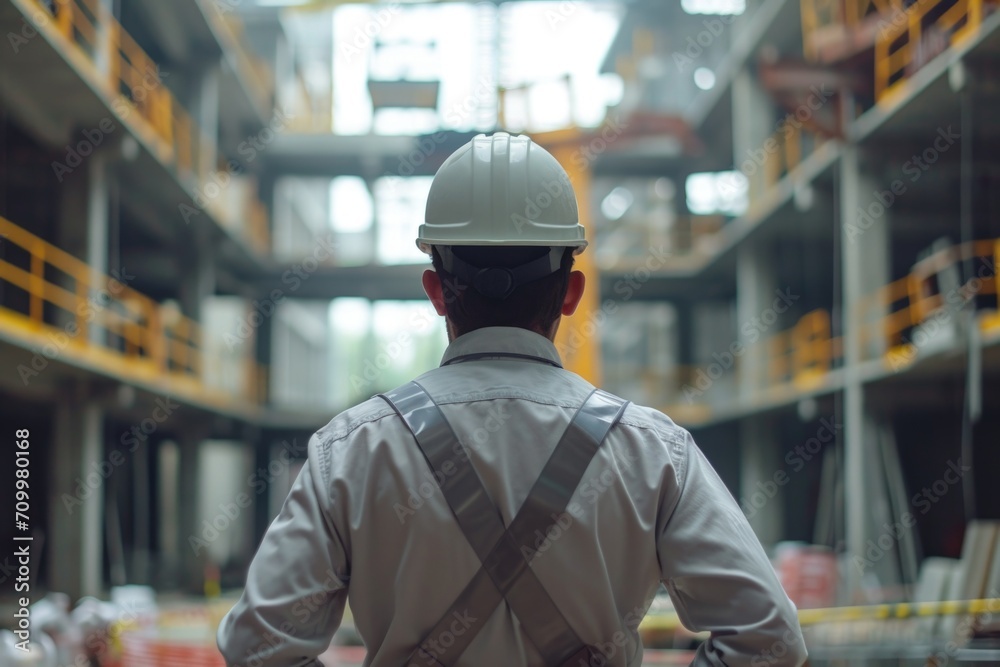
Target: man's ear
432,286
574,292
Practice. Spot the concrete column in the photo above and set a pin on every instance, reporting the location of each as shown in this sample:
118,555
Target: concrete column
76,504
205,111
761,496
753,124
199,279
105,54
190,573
865,266
82,228
756,284
169,496
98,208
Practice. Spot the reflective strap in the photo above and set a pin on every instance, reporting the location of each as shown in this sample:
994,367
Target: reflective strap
463,489
545,504
505,554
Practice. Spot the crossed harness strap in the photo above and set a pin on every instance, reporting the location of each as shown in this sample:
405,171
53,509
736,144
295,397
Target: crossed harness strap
505,554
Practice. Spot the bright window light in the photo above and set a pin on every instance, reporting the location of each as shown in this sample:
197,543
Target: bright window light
350,317
722,192
350,205
704,78
617,203
541,42
714,6
399,210
375,346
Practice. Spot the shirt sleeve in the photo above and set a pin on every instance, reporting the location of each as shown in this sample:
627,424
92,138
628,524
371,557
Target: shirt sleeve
718,575
296,586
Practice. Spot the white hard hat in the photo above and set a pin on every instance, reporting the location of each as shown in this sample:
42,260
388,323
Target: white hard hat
501,190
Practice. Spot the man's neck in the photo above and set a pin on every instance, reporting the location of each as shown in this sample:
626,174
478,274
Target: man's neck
551,335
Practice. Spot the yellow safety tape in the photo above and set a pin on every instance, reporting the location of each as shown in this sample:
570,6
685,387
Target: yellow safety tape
665,622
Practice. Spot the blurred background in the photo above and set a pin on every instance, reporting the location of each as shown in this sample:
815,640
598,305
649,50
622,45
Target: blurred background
207,214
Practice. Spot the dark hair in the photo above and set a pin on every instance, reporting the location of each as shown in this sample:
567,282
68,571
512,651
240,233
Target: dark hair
534,306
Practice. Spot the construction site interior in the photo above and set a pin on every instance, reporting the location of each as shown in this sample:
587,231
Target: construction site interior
207,214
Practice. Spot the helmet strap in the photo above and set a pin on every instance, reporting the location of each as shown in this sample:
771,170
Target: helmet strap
500,282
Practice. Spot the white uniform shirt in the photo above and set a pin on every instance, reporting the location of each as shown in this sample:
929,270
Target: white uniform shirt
365,519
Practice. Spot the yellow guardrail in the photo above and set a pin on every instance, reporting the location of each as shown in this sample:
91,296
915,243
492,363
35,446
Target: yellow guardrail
131,81
889,312
67,299
670,621
818,15
805,353
784,152
524,90
255,71
899,45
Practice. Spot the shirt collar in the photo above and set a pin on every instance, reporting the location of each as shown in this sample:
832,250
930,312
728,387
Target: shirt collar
502,341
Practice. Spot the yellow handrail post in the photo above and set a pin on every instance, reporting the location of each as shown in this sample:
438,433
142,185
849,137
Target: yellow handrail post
915,287
793,149
114,58
64,18
157,337
996,270
35,308
82,294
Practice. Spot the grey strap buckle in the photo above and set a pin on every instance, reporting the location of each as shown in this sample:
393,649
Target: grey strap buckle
505,553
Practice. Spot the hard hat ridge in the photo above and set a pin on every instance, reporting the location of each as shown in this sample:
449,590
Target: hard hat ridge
501,190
